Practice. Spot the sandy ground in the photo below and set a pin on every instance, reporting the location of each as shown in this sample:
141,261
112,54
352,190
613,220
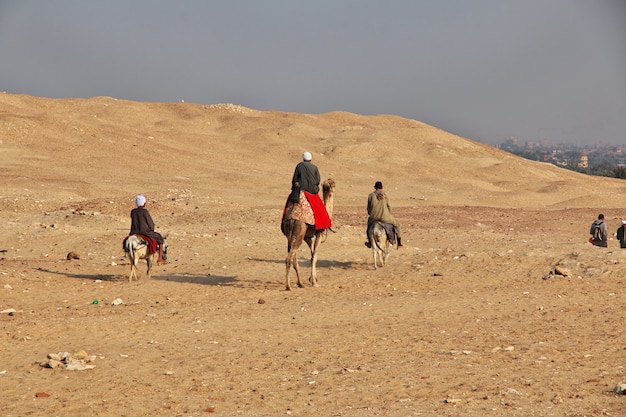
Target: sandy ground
467,321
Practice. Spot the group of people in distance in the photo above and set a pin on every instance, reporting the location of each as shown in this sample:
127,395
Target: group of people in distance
600,236
306,176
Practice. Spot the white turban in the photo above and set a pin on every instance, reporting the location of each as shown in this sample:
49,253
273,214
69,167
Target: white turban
140,200
307,156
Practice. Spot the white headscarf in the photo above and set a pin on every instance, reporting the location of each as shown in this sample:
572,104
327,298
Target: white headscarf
307,156
140,200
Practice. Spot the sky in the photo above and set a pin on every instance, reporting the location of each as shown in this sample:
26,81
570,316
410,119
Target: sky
486,70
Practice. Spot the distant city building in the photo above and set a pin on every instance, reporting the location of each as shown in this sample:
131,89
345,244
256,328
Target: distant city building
598,159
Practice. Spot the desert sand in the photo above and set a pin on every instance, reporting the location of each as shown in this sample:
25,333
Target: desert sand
469,320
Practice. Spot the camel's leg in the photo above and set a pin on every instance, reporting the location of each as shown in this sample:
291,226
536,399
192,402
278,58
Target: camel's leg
287,268
295,232
313,245
288,262
295,248
292,260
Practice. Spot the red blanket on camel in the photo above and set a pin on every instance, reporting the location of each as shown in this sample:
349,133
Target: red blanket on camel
322,219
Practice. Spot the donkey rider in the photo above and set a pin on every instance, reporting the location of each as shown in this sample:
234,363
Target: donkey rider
379,209
142,224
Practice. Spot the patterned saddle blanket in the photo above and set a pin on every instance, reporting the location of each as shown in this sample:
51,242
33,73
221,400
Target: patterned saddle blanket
309,209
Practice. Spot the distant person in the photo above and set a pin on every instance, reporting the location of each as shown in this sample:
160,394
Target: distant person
142,224
379,209
598,232
621,236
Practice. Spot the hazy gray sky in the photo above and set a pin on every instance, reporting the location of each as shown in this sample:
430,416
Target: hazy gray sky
483,69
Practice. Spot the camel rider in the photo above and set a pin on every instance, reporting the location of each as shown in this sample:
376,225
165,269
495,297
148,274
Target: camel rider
307,175
142,224
379,209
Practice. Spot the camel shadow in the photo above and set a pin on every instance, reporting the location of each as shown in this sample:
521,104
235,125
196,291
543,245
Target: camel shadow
271,261
321,263
203,279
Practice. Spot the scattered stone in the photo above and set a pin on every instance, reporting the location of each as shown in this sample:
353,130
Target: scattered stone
261,301
557,399
72,255
77,362
77,365
559,270
41,394
9,311
52,363
620,389
80,355
452,400
117,302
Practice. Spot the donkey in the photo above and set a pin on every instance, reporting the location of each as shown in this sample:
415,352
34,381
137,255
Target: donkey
380,244
136,248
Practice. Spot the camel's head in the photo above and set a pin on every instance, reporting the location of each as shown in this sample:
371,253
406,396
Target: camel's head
328,185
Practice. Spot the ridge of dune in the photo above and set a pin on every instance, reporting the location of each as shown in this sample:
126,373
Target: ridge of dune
102,145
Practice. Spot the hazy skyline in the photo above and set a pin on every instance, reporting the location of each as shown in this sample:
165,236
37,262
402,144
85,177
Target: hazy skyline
486,70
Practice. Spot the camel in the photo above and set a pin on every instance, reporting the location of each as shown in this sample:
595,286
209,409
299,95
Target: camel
380,244
298,231
136,248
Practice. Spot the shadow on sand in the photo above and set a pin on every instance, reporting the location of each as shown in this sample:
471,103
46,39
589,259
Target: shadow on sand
203,279
191,278
102,277
321,263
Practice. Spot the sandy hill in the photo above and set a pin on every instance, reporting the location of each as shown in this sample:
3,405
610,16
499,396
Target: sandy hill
499,306
104,146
